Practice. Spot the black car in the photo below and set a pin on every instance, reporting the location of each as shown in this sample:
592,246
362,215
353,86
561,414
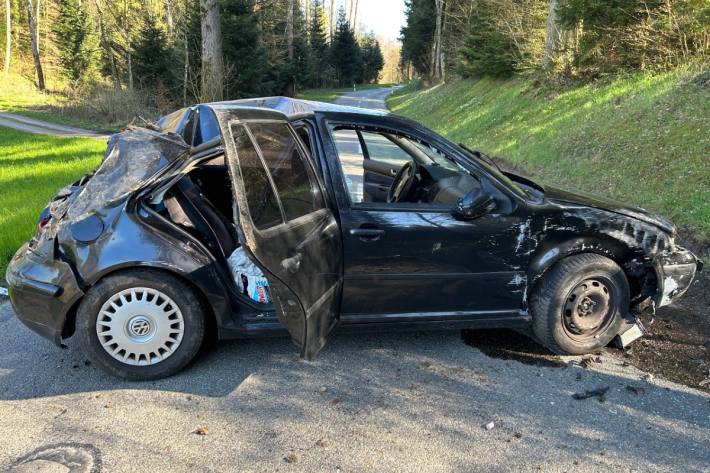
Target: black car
344,217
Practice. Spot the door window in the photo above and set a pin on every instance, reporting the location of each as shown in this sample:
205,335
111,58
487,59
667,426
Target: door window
263,206
293,178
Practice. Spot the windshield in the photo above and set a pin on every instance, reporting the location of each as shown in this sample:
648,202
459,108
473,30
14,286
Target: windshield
497,173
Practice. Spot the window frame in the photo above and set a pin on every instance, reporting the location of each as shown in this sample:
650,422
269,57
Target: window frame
331,124
310,170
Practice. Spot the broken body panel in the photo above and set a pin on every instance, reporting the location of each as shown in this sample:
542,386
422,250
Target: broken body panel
367,265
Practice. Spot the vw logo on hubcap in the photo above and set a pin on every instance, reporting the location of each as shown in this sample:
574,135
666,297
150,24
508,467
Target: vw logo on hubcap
139,326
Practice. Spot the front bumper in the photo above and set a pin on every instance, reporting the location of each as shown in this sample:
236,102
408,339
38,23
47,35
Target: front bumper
42,291
674,273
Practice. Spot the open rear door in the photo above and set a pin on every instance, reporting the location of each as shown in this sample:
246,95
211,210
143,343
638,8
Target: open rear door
286,223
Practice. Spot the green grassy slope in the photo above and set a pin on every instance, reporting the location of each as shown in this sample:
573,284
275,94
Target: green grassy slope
644,139
32,169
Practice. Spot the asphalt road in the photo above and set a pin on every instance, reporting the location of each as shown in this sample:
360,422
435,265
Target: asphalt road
31,125
384,402
370,98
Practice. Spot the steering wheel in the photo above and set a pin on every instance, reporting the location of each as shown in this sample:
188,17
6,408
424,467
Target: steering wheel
403,183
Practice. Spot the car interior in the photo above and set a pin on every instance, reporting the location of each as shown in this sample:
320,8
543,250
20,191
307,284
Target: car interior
384,167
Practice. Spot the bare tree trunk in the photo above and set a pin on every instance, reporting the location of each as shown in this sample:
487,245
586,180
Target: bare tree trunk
37,25
186,70
169,18
8,37
291,90
35,51
130,72
331,32
108,48
355,17
436,53
552,36
212,60
289,29
350,12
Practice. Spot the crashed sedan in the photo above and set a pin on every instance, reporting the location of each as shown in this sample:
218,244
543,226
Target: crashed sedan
256,217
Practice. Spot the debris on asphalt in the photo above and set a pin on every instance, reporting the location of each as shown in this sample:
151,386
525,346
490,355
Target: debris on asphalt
322,389
335,401
202,431
322,443
291,458
490,426
705,382
635,389
579,376
518,435
589,361
599,393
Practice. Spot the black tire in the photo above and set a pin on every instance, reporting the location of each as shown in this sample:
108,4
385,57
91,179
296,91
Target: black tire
189,304
570,298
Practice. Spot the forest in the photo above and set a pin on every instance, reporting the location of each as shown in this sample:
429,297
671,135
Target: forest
564,40
161,54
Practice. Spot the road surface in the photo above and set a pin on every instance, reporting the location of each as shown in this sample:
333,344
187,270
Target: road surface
41,127
383,402
369,98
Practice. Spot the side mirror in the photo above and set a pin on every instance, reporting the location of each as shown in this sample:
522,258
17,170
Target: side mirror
475,204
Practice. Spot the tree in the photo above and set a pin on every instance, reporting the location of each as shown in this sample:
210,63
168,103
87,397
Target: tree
244,52
552,36
418,34
35,46
153,60
212,61
8,35
75,41
345,55
437,53
318,44
372,59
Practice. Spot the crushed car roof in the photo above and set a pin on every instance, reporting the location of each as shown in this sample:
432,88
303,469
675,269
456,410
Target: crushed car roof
293,107
197,124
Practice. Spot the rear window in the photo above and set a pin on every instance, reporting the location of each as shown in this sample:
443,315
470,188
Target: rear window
261,200
292,176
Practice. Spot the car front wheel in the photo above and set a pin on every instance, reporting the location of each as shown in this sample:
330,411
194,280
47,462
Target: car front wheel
579,305
141,324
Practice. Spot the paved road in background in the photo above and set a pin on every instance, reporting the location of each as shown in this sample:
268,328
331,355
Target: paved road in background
385,402
41,127
370,98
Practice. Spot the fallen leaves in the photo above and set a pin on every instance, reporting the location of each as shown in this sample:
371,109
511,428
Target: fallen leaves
599,393
291,458
202,431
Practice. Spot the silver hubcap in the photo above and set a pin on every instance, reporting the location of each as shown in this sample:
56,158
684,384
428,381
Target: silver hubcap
140,326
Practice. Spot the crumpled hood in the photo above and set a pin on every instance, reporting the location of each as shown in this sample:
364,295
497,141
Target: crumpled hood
603,203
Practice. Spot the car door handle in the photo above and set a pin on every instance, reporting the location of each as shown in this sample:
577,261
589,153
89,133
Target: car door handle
367,234
292,264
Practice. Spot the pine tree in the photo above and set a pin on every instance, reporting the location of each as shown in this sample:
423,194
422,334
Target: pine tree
153,60
372,59
317,40
345,54
418,35
244,52
76,41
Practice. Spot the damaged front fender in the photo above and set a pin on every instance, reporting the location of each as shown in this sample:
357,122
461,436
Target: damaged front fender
675,272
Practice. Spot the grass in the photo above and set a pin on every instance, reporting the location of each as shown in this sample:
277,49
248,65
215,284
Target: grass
643,139
19,95
32,169
331,95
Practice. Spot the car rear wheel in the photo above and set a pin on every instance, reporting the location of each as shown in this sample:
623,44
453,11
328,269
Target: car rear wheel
141,324
579,305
